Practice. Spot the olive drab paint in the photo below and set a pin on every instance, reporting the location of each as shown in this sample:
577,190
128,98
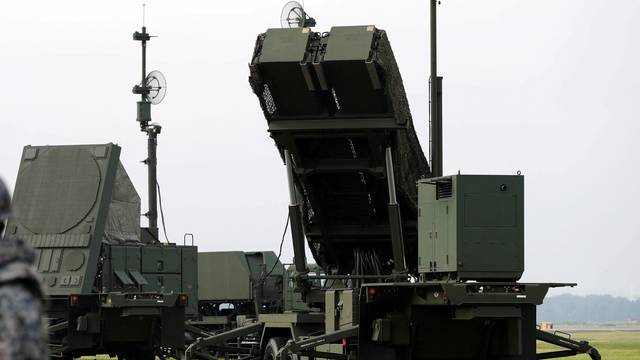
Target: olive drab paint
106,283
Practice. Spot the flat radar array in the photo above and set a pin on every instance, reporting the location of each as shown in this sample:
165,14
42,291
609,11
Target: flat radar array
152,89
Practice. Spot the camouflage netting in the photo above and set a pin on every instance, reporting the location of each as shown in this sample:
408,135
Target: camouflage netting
409,161
123,221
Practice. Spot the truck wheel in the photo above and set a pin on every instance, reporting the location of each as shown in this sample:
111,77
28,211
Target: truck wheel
273,346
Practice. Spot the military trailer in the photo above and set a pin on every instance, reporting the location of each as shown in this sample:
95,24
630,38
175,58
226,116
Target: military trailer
111,287
414,265
237,284
235,289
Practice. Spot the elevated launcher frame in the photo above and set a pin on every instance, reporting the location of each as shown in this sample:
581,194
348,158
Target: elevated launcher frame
336,108
337,111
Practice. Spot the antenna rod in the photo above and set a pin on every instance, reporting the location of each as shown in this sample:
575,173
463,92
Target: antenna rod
435,100
434,39
152,174
152,130
143,40
144,58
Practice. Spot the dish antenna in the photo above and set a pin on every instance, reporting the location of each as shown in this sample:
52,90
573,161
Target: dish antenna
156,85
293,15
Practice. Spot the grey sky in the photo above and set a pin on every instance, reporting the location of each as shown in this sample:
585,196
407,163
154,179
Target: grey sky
550,88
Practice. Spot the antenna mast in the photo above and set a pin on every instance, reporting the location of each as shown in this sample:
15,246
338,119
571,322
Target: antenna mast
435,100
151,89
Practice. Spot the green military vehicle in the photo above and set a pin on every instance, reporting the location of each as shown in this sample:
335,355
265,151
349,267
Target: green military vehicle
238,284
413,265
111,287
236,288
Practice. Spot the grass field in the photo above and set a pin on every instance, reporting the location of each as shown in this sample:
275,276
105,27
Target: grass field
613,345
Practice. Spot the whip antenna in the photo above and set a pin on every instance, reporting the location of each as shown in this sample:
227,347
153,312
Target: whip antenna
152,89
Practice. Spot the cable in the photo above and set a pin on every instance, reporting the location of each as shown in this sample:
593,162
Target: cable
284,233
164,228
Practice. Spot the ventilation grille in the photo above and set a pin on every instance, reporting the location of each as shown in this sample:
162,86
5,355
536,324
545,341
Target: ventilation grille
444,189
268,100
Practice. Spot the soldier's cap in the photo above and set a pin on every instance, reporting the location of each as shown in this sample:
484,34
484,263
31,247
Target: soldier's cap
5,201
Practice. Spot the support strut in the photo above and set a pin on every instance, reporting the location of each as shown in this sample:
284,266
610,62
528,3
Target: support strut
295,216
308,344
573,347
395,222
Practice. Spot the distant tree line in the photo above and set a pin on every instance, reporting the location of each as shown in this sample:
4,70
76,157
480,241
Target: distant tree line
588,309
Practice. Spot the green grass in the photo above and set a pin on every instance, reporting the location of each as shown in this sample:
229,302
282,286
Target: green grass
612,345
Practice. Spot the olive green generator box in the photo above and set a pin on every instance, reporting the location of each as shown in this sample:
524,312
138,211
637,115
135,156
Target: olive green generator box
471,227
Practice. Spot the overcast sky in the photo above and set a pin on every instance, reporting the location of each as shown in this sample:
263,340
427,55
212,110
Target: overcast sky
550,88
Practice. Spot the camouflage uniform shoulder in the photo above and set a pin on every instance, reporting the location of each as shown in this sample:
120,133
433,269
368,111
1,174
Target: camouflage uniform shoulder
17,264
22,331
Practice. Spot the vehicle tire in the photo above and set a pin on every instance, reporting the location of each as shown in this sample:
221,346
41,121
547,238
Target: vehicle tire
273,346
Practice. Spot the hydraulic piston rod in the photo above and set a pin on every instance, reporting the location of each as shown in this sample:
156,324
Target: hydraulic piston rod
295,216
292,190
395,222
391,179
